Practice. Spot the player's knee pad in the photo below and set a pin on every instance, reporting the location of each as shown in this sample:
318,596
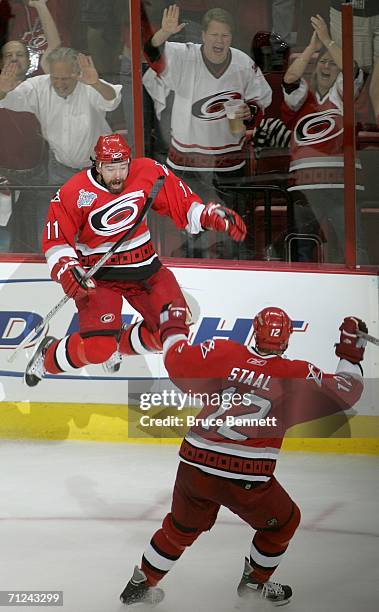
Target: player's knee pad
98,349
180,535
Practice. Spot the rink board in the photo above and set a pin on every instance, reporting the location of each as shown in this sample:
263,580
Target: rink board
89,405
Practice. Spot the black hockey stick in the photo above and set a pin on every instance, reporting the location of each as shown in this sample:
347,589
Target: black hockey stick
37,329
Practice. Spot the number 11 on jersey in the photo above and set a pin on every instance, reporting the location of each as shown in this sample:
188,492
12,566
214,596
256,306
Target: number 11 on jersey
52,230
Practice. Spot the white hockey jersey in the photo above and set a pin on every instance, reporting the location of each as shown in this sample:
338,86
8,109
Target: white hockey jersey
200,135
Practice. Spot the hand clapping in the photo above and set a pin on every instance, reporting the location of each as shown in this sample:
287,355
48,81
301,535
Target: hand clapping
321,29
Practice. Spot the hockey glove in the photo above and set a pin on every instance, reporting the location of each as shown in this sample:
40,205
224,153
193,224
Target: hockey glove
174,319
221,219
69,273
351,346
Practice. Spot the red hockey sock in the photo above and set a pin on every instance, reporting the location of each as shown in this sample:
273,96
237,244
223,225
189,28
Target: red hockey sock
159,557
262,574
269,547
166,547
138,340
74,352
49,362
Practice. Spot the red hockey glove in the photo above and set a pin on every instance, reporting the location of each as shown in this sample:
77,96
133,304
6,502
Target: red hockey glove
222,219
174,320
69,273
351,346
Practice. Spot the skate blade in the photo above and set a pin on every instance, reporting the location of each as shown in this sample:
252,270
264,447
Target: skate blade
258,605
157,598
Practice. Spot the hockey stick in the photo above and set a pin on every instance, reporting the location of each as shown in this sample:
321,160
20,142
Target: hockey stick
36,330
369,338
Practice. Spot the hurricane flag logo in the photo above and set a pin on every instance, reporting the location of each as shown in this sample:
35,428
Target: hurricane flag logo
319,127
212,108
116,216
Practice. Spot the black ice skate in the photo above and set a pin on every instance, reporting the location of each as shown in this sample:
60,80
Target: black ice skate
277,594
113,364
138,591
35,369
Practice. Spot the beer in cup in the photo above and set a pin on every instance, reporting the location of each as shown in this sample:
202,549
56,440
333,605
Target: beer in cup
236,125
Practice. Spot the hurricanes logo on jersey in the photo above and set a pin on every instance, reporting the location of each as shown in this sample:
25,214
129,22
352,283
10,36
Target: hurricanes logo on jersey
212,108
116,216
319,127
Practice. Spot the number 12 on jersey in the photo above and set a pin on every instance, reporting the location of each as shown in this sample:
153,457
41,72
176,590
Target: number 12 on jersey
232,400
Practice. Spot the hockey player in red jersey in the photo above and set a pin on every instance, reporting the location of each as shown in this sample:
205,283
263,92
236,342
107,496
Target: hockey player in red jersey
226,463
89,214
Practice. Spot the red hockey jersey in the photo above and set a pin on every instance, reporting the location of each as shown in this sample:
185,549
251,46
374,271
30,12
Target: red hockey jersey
85,220
317,139
251,401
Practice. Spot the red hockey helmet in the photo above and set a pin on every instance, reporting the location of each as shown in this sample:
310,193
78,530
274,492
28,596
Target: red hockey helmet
272,329
112,149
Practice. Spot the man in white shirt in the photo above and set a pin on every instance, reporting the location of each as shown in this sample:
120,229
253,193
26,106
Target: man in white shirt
203,150
70,104
204,77
22,161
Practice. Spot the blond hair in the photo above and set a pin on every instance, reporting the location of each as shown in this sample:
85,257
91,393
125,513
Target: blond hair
217,14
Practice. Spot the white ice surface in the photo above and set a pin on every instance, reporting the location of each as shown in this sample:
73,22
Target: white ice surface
76,517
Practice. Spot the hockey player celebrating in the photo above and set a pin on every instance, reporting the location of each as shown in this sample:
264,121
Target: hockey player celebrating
89,214
232,465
